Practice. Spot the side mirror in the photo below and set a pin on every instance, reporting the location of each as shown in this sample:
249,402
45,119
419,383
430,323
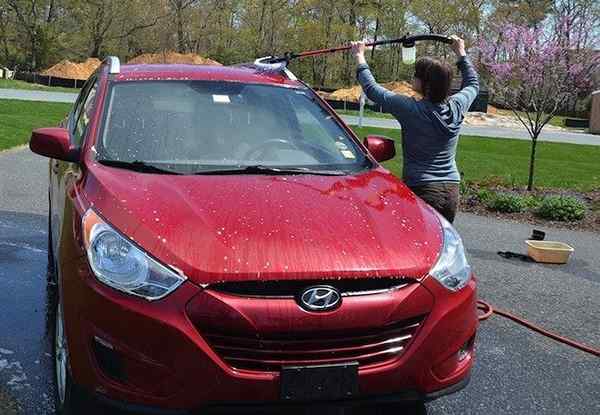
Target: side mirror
53,143
381,148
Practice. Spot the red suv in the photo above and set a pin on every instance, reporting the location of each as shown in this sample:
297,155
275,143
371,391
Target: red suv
221,237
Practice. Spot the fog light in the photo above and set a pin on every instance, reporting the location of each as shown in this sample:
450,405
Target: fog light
456,362
463,353
465,350
108,359
133,371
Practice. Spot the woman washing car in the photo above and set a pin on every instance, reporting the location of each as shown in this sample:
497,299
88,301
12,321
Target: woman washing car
430,126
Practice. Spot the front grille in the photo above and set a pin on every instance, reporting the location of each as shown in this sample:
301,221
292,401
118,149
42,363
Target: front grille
291,288
367,347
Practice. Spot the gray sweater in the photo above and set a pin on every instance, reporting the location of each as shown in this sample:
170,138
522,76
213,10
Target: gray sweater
429,131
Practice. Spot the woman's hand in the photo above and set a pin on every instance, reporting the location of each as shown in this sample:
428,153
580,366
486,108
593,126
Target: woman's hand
358,50
458,46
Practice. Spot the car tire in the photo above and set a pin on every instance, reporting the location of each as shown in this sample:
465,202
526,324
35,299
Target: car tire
68,398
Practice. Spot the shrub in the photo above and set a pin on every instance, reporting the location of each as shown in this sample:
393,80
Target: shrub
532,202
465,189
562,208
506,202
484,195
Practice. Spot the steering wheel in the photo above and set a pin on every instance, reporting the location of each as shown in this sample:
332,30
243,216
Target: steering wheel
268,145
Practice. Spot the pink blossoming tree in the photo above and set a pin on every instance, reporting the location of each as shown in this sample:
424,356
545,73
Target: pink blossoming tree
535,72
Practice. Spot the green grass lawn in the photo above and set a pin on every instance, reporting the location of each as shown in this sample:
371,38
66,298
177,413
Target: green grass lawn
368,113
18,118
13,84
506,161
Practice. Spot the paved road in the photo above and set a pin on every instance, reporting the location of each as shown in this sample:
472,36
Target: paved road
516,371
47,96
553,136
547,135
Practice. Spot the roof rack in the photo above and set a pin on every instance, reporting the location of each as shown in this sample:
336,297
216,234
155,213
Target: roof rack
114,64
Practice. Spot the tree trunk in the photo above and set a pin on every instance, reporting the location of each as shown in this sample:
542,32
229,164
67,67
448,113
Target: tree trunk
180,34
95,51
532,163
375,36
261,23
96,46
50,10
34,60
272,30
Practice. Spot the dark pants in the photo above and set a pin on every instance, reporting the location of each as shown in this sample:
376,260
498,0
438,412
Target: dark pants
442,196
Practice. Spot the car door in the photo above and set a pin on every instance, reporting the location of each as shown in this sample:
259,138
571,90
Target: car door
63,173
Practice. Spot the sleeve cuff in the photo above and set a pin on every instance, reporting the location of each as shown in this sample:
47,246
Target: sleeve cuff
361,67
462,60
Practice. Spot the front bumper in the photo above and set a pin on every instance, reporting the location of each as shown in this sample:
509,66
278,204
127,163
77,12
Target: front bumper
252,407
168,365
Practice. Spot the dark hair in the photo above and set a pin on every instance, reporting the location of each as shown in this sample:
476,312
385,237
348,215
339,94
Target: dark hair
436,77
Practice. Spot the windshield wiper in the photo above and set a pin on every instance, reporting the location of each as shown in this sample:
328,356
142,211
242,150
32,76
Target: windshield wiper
260,169
146,167
137,165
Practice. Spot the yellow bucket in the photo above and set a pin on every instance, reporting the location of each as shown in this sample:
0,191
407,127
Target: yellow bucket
549,252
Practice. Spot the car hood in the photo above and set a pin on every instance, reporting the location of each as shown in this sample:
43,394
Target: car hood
261,227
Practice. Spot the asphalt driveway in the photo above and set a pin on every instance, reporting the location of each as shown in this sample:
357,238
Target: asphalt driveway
517,371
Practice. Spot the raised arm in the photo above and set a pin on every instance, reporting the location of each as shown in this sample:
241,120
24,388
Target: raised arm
470,80
390,102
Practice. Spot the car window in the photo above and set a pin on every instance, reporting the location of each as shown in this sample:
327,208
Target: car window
79,102
203,124
83,115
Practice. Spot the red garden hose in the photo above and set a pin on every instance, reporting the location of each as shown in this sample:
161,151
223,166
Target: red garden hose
488,311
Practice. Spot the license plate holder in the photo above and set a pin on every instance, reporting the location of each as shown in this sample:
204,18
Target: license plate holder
323,382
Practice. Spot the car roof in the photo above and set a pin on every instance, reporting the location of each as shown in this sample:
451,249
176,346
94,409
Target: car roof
167,72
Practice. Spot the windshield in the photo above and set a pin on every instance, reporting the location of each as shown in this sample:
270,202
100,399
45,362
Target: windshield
195,126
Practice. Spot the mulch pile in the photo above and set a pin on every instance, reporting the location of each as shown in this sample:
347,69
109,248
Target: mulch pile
324,95
491,109
73,70
82,70
171,58
353,94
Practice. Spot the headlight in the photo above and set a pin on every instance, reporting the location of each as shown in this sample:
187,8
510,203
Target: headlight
452,269
120,264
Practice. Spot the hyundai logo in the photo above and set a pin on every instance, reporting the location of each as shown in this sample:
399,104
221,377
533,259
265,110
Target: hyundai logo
320,298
